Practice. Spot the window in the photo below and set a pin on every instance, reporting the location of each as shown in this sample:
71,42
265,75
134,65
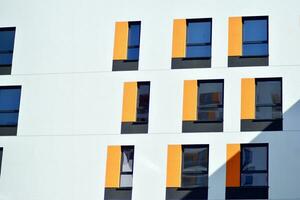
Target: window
9,105
254,166
127,166
255,36
133,40
268,99
143,101
210,100
198,43
194,166
7,39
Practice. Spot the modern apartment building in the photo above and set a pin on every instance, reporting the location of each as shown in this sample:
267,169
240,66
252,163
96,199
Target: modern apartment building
149,100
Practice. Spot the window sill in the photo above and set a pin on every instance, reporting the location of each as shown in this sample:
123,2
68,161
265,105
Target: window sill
188,63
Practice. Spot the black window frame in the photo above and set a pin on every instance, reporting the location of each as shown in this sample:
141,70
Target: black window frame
268,105
255,42
219,106
198,44
124,148
194,173
2,52
254,171
133,46
138,108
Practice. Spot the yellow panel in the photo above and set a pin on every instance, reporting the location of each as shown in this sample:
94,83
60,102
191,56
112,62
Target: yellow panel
179,38
121,41
190,100
233,165
248,98
113,167
129,102
235,36
174,166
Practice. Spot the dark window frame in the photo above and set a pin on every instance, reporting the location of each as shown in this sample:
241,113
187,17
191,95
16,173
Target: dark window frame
124,148
198,44
254,171
10,52
138,98
194,173
255,42
268,105
133,46
218,106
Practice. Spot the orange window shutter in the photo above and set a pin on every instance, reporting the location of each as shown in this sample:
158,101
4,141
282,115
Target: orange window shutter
179,38
113,167
174,166
190,100
248,98
121,41
233,165
129,102
235,36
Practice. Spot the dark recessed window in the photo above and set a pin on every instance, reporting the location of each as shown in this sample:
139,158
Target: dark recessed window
210,100
127,166
198,43
7,40
194,166
254,167
255,36
9,109
268,99
133,40
143,101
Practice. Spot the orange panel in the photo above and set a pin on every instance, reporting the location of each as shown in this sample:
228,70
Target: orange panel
179,38
248,98
174,166
129,102
190,100
121,41
235,36
113,167
233,165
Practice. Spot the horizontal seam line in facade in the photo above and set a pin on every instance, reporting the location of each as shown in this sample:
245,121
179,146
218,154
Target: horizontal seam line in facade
217,68
154,134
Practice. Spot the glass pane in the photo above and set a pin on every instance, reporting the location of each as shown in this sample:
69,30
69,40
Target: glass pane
9,118
210,93
189,180
198,32
268,99
126,180
198,51
255,30
133,53
6,59
127,160
254,158
255,50
210,114
143,102
259,179
195,160
7,40
10,98
268,112
134,34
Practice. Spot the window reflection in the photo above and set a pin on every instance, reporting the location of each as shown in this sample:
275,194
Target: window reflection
143,101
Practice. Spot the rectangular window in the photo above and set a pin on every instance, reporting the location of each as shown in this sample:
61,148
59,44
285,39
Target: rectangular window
268,99
194,166
210,100
254,165
127,166
7,40
255,36
133,40
9,105
198,43
143,101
